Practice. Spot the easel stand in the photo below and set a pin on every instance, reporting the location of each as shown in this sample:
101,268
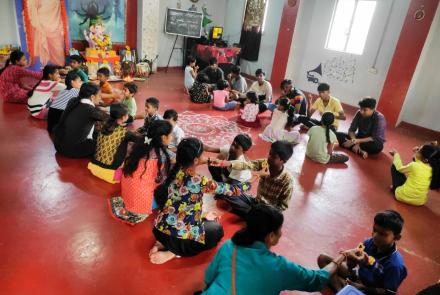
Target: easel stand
172,50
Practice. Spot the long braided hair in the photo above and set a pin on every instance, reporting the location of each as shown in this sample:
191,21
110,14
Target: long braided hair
327,120
142,150
188,150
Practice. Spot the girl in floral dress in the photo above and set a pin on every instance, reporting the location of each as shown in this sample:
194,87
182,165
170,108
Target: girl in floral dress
181,228
144,169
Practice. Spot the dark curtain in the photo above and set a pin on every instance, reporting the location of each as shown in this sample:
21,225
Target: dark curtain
250,38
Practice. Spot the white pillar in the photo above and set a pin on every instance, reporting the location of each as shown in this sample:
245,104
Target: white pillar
148,30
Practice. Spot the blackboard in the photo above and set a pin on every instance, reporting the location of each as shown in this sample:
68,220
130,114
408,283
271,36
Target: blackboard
183,22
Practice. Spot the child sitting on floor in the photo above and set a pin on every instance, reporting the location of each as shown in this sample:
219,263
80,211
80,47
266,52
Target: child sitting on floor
380,266
111,145
199,91
280,127
190,73
130,89
16,80
151,114
57,107
108,95
411,183
249,115
44,92
75,64
181,228
144,169
178,134
221,97
236,151
322,140
275,186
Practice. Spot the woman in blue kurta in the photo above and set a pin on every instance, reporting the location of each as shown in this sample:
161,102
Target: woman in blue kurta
245,264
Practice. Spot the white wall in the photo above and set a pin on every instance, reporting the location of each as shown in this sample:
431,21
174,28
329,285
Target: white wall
309,50
234,20
217,10
8,23
422,102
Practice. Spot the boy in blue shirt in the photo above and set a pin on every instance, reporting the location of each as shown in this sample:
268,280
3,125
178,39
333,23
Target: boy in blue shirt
375,266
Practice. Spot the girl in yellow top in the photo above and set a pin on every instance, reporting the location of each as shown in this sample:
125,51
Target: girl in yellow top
412,182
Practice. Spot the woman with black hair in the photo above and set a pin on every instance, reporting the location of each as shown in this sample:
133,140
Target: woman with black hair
199,91
245,264
44,93
59,104
181,228
73,136
111,145
12,78
322,140
144,169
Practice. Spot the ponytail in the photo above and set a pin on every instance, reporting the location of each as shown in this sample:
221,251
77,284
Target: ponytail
290,116
117,112
143,148
431,155
327,121
48,70
261,220
187,151
327,133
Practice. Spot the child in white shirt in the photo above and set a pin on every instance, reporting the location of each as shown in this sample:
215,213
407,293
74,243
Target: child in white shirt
280,127
178,134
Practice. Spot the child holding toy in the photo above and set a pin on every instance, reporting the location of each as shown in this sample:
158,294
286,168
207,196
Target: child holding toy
379,264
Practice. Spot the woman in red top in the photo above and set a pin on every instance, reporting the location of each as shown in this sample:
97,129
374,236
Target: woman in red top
13,78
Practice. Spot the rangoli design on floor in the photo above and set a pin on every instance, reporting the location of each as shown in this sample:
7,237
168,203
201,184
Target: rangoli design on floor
212,130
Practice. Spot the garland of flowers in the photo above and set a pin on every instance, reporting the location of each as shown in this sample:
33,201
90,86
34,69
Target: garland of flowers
65,26
28,30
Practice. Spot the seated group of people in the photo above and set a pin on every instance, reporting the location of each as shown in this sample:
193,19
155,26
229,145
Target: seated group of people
156,166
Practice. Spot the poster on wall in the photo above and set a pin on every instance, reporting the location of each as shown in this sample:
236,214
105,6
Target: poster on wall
83,13
43,31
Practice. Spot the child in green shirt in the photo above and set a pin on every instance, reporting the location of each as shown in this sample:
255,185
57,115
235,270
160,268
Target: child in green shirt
130,89
75,64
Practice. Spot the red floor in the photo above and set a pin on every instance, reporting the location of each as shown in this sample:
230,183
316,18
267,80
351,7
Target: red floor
58,238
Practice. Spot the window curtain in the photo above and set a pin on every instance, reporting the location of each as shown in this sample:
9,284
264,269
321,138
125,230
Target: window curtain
251,31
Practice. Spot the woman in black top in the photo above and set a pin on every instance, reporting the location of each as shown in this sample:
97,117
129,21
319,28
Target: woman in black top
73,134
199,91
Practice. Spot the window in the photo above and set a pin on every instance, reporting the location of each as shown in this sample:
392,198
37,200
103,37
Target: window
349,26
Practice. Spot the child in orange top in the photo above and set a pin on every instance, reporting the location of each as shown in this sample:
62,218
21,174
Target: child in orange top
108,96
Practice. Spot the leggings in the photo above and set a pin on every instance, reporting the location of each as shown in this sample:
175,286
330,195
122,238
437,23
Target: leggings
185,248
397,178
371,147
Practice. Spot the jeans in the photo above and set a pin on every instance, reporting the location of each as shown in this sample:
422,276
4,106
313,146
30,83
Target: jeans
228,106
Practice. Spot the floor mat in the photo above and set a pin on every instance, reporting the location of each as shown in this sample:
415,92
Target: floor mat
212,130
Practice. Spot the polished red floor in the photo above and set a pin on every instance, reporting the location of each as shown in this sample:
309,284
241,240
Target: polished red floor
57,236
